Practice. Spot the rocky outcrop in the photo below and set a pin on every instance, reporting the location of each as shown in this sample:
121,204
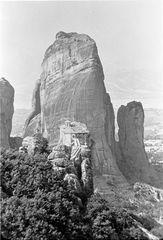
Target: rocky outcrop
72,158
34,144
33,126
86,170
6,112
36,107
131,157
72,87
60,158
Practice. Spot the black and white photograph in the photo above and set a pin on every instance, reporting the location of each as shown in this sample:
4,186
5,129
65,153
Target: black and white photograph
81,120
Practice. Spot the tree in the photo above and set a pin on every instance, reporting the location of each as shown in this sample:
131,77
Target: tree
38,204
112,223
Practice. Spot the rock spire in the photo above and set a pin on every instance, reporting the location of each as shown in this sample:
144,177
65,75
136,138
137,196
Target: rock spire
6,112
72,88
131,157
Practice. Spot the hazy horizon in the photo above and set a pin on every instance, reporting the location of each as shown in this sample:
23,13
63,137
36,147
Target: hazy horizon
128,35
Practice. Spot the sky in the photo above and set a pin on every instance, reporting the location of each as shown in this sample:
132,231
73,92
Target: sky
128,34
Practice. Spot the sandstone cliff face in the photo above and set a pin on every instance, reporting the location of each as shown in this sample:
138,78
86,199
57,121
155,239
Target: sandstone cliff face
72,88
131,157
6,111
33,119
33,126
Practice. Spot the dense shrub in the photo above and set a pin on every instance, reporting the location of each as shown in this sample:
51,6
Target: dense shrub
22,174
112,223
38,204
41,143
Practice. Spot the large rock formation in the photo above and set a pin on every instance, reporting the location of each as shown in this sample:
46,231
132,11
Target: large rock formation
131,157
72,87
33,121
34,144
6,112
32,126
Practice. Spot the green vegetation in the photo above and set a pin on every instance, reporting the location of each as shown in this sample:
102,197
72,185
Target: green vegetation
38,204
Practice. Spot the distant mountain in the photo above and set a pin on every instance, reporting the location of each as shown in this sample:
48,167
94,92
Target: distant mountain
153,116
137,84
153,124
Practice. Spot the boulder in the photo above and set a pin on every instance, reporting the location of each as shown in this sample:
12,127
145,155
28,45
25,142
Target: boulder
34,144
73,182
60,159
131,156
72,88
6,112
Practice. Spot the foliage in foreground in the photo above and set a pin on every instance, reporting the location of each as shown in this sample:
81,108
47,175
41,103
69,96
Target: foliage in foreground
38,204
111,223
158,231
